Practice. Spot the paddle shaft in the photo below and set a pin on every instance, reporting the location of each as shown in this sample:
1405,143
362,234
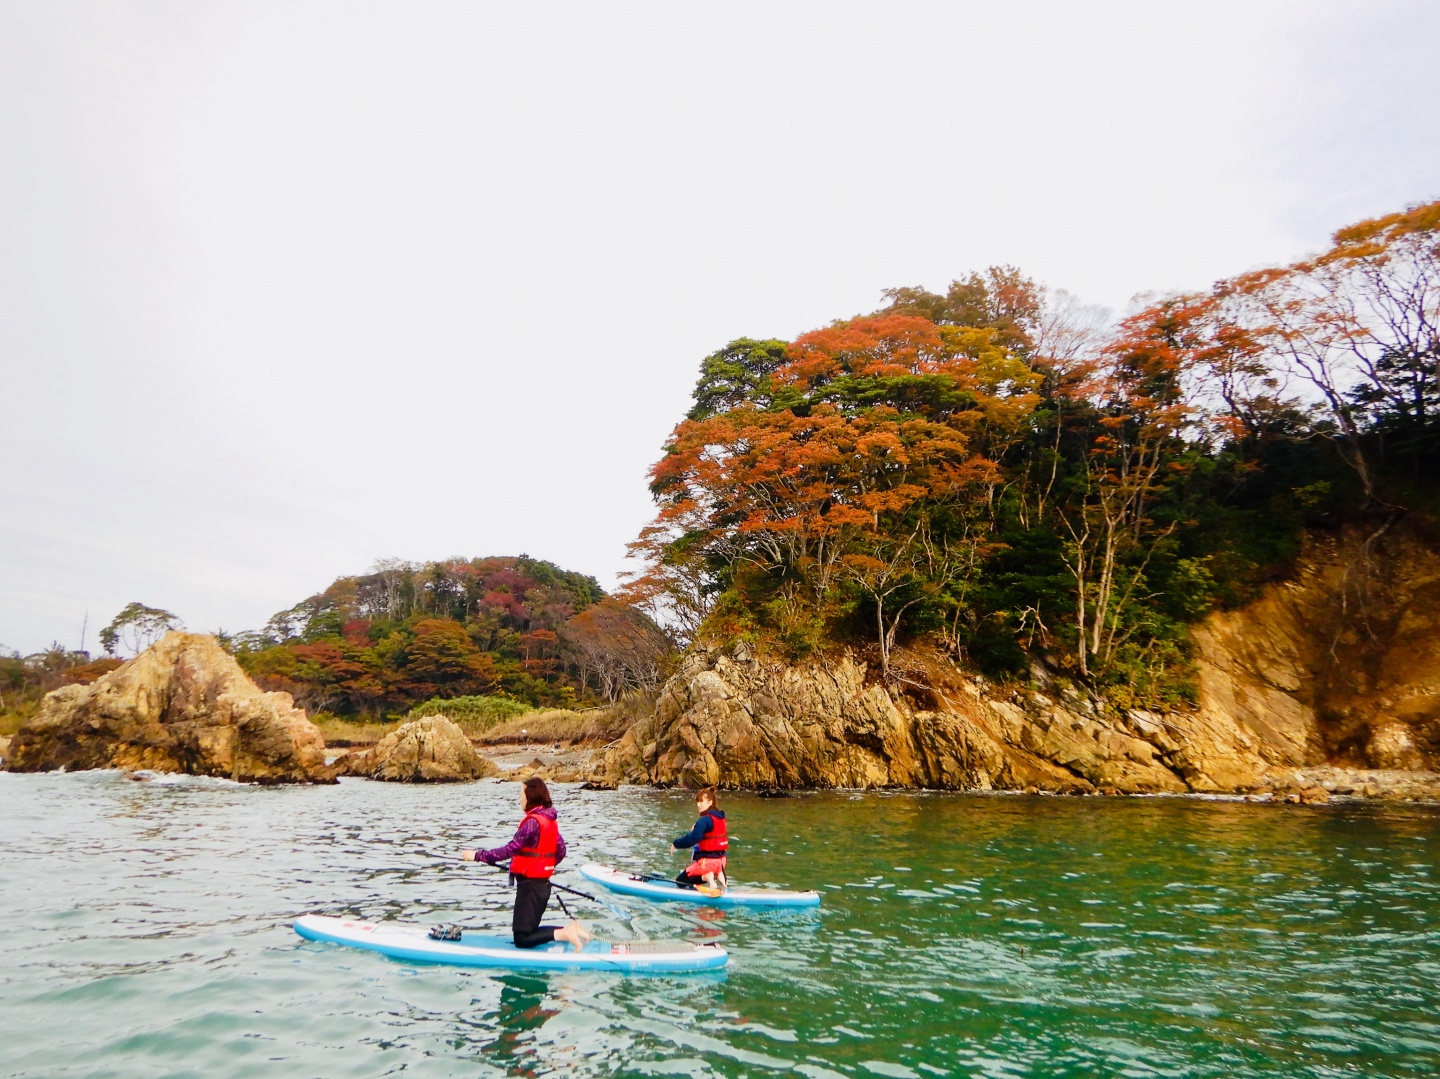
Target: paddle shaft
561,887
660,880
624,914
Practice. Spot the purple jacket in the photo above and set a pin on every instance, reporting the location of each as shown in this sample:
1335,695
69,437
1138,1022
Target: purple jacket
527,835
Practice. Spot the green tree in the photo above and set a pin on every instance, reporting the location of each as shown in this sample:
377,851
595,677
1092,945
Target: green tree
137,627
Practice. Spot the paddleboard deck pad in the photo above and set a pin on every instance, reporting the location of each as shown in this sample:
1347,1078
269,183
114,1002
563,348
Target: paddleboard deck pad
666,891
474,949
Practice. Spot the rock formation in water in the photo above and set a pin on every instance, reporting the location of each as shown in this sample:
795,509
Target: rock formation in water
182,706
1329,681
551,772
427,750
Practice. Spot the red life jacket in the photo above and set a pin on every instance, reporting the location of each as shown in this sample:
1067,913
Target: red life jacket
715,840
538,861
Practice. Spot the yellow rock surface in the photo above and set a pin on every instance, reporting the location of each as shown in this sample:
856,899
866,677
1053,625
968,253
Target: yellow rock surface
183,705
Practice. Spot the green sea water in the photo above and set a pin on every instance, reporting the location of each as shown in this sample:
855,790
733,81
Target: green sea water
144,931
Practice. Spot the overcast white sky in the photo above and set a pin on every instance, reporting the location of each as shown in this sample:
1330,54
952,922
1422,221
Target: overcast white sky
287,287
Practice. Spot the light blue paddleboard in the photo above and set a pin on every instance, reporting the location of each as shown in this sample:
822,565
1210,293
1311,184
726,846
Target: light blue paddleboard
477,950
666,891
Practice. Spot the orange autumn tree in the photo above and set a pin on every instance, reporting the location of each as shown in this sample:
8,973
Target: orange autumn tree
1037,487
1141,427
844,448
1354,334
618,647
1341,348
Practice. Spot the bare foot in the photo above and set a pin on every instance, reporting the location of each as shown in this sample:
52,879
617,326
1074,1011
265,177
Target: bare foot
574,934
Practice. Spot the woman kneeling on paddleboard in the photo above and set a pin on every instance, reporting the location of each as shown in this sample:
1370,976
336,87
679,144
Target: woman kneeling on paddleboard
710,841
533,853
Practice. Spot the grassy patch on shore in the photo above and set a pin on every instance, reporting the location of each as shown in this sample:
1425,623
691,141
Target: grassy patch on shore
550,725
12,719
497,721
594,725
473,714
337,731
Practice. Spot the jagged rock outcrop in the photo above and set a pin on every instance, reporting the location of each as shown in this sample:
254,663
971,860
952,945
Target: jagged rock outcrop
554,772
431,749
183,705
1338,666
733,719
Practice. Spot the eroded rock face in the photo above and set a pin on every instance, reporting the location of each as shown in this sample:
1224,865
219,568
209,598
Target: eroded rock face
182,706
1392,746
1320,670
739,721
427,750
1340,663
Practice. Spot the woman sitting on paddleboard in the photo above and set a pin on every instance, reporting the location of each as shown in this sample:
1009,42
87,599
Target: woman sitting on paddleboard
710,841
533,854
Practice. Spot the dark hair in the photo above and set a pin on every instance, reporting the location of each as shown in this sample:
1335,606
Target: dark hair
708,792
536,794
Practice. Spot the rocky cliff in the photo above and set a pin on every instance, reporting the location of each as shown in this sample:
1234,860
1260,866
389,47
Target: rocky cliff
1331,677
182,706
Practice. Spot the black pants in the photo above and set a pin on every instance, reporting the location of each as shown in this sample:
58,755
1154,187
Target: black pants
532,895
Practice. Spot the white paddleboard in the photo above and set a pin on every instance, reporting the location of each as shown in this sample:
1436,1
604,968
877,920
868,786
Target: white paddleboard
413,942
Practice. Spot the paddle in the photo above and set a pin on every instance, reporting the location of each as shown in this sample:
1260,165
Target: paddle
667,880
647,876
619,912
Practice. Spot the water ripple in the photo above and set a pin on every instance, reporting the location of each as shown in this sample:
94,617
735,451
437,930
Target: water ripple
147,933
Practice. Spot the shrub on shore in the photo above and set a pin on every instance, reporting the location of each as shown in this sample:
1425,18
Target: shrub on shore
473,715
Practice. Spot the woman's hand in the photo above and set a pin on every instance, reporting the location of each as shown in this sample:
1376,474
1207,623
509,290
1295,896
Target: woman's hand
468,855
674,849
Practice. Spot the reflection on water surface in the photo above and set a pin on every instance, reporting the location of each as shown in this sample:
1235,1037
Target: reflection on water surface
147,934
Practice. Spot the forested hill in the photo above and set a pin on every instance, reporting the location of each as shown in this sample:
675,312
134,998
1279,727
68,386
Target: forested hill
1010,476
379,643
